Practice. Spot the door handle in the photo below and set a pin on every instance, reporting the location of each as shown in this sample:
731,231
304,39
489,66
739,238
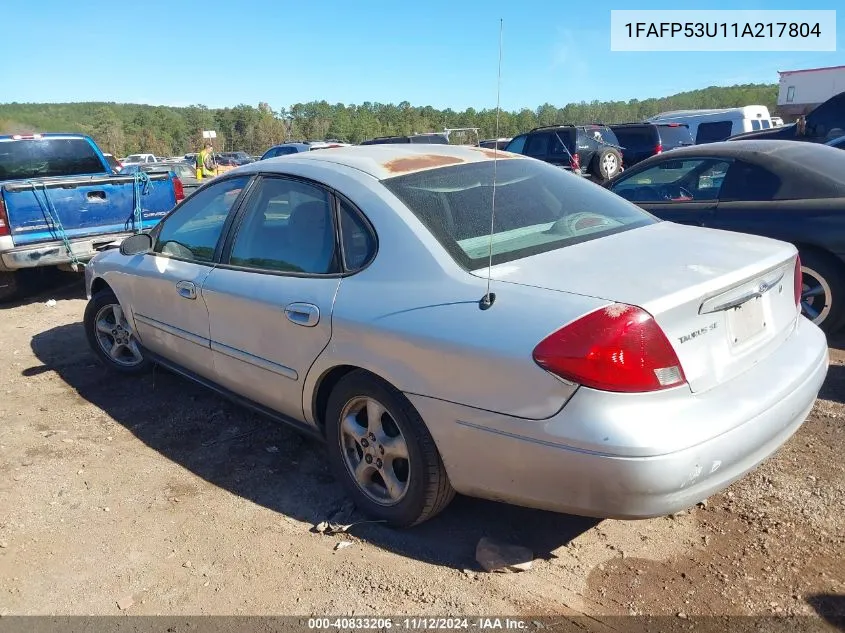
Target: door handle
306,314
186,289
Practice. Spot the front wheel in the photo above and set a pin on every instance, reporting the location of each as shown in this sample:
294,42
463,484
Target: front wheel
383,453
110,336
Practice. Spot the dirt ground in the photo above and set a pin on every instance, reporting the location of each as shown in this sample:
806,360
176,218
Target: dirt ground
154,496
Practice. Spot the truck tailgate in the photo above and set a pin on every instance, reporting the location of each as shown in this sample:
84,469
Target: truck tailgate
85,205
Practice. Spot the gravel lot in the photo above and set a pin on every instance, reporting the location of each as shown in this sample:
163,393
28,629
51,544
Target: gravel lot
154,496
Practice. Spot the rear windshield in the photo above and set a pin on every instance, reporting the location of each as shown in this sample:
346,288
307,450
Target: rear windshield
602,134
539,208
642,136
43,158
675,135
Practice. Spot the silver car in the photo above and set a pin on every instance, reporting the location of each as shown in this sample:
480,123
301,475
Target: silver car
619,366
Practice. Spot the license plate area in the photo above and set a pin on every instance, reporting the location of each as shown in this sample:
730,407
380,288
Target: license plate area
746,322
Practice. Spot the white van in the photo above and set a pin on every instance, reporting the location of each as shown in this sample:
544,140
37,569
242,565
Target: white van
709,126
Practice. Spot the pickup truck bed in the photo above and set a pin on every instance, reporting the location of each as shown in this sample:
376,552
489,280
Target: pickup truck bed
41,215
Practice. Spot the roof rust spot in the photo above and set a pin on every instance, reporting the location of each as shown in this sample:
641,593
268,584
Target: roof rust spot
491,153
423,161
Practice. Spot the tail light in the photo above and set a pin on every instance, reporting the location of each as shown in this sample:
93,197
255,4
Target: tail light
618,348
178,189
4,219
659,148
799,281
575,162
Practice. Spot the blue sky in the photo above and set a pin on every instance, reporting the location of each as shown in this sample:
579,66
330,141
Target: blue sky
437,52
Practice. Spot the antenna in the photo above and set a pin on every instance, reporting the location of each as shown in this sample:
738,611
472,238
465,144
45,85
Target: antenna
488,298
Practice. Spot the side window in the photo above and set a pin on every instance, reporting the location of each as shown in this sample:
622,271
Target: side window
755,124
537,145
558,147
357,240
766,124
695,179
748,182
192,232
713,132
288,227
517,145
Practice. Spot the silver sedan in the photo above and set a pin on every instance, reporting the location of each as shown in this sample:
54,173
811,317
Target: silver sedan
459,319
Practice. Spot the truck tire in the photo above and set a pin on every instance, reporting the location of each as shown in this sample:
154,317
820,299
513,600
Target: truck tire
9,286
606,164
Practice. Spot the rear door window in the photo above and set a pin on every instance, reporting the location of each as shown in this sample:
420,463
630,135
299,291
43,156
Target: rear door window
538,145
713,132
46,157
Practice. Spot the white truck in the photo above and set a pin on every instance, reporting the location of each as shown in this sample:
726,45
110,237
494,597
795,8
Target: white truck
710,126
801,91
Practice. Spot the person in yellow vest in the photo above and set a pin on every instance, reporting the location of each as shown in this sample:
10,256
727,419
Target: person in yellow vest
206,165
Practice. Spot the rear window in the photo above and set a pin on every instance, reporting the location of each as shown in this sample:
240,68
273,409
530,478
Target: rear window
42,158
539,208
675,135
601,134
640,137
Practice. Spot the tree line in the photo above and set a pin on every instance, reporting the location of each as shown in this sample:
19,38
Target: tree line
123,128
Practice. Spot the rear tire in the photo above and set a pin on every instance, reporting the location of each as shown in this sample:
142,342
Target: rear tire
110,336
381,450
823,295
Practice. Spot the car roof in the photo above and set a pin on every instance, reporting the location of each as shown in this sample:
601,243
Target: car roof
388,160
751,148
801,166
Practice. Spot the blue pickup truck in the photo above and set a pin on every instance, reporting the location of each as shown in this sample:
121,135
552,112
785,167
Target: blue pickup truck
60,202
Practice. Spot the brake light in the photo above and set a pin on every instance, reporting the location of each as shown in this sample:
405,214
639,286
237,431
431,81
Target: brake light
798,282
575,162
4,219
659,148
617,348
178,189
28,137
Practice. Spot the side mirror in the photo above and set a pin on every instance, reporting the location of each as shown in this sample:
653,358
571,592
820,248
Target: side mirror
136,244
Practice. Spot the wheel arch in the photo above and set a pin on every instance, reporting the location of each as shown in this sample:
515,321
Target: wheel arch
99,284
324,385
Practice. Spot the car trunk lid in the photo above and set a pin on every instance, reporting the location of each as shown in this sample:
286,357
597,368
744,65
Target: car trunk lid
724,300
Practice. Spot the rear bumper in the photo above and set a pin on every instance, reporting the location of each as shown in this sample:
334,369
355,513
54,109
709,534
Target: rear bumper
54,253
649,458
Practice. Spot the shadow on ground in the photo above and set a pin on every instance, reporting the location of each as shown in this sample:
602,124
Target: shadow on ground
39,285
274,466
831,607
833,388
